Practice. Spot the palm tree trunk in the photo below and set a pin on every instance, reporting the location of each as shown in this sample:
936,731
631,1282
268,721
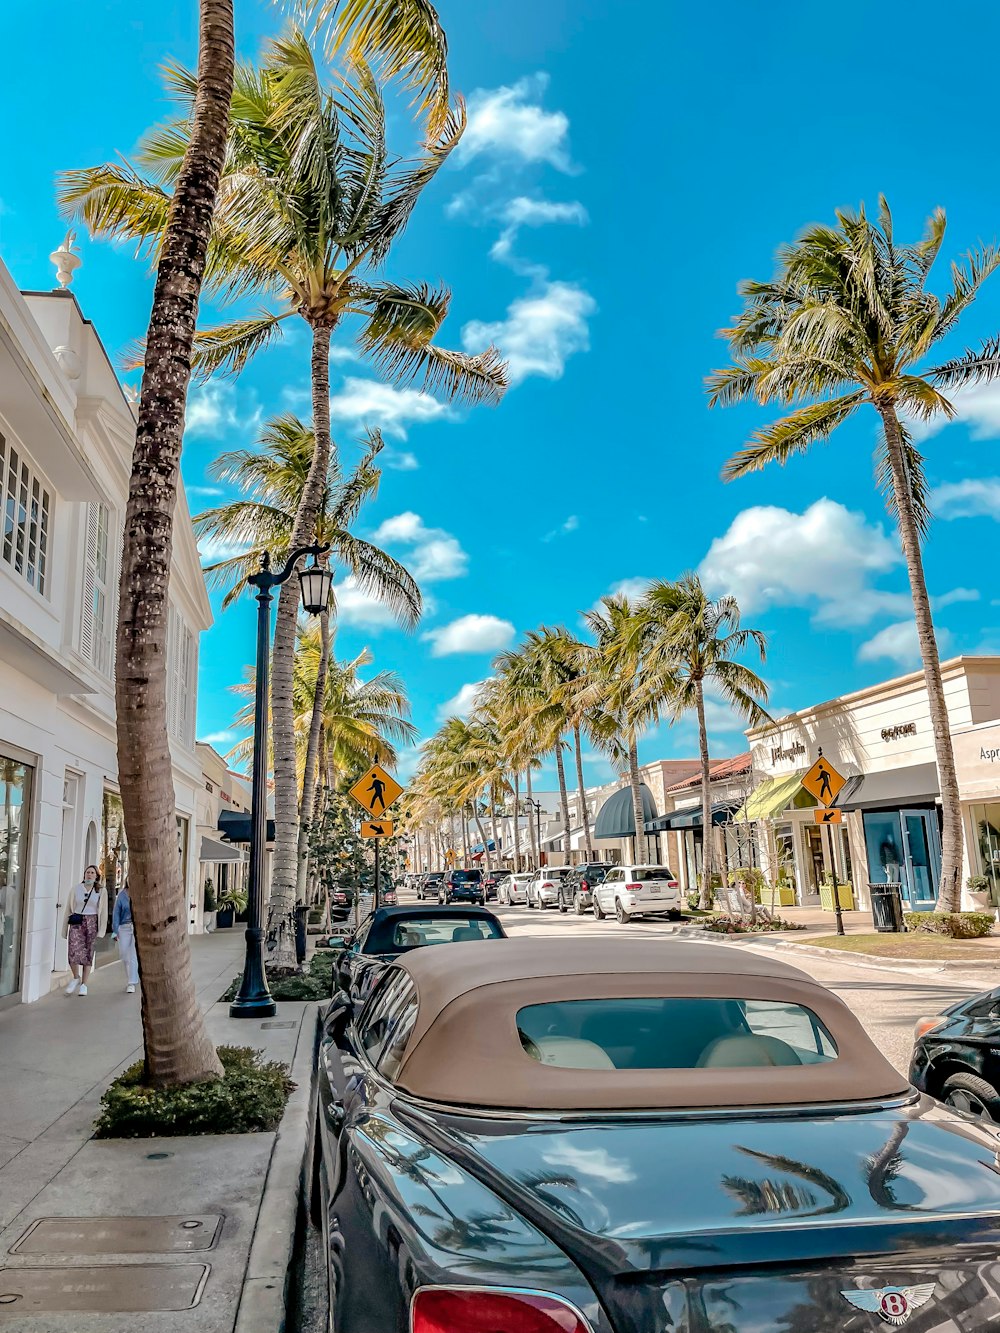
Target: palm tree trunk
465,835
563,800
950,886
176,1042
707,844
584,813
482,834
493,827
532,826
312,754
638,812
284,865
517,821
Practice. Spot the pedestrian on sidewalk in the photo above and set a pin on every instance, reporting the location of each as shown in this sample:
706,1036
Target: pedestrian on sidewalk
85,918
123,931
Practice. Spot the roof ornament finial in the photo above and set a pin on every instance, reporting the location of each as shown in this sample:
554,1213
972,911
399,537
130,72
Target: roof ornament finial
66,260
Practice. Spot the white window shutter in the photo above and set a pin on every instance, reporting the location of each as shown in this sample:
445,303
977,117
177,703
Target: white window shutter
89,578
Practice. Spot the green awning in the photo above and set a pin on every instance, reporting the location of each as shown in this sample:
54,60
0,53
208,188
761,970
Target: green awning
772,796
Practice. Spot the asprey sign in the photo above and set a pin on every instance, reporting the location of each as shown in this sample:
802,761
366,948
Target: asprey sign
823,782
377,828
376,791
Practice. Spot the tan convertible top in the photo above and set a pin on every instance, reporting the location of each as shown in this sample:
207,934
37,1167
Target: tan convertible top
465,1049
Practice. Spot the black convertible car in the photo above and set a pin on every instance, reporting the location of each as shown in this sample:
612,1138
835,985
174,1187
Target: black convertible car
390,932
956,1056
638,1137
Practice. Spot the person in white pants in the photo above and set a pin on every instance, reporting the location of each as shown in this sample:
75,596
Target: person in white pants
123,930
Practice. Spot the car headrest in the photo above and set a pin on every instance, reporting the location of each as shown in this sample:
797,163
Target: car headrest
741,1052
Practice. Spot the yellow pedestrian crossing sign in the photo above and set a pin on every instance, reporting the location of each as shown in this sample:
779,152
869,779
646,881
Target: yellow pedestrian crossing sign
824,816
377,828
824,782
376,791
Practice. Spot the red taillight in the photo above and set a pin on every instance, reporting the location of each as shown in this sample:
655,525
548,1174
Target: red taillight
584,885
633,888
488,1310
672,884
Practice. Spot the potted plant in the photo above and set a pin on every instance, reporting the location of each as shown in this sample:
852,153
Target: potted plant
845,894
231,903
979,892
209,903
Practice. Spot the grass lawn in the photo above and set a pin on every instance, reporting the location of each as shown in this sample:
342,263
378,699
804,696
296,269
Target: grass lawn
911,945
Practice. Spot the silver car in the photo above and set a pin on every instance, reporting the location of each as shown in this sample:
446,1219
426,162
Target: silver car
543,891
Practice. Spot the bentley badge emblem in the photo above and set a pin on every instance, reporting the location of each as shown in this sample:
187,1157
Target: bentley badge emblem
894,1304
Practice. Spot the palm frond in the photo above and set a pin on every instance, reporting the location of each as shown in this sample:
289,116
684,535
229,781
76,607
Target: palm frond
227,348
916,478
791,435
115,202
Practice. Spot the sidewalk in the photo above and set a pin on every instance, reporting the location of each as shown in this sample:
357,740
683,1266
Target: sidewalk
159,1225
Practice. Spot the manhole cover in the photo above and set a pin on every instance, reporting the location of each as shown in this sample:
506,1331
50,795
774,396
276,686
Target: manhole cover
279,1024
120,1235
109,1289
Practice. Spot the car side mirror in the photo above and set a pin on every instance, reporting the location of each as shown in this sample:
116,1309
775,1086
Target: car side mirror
338,1015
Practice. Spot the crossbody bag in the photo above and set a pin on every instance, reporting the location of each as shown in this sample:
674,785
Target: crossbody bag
76,918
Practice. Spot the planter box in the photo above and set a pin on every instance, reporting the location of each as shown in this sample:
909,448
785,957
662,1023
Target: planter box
845,892
224,919
784,897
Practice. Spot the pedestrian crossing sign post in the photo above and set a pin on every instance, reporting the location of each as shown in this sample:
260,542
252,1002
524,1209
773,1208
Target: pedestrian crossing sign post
825,784
377,828
376,791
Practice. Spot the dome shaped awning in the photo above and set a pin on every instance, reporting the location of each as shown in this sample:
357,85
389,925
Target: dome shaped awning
615,818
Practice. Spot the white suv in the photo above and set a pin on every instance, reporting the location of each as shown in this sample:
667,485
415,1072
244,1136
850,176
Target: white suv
513,889
629,891
543,891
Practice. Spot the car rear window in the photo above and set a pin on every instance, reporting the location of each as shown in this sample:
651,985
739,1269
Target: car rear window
640,874
673,1033
466,876
417,933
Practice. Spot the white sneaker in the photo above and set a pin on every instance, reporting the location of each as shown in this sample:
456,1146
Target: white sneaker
72,987
83,990
129,990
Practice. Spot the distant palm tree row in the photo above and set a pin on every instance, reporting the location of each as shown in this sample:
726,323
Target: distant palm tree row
651,659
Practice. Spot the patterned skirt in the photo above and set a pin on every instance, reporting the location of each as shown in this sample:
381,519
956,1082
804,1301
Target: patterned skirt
81,942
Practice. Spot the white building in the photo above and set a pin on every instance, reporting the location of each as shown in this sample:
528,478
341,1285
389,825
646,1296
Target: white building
66,437
223,862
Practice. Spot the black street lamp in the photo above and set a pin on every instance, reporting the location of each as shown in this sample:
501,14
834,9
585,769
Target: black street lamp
254,999
537,807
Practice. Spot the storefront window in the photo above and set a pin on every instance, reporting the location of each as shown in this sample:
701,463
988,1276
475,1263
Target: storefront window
784,846
15,803
814,862
986,822
884,843
847,866
114,845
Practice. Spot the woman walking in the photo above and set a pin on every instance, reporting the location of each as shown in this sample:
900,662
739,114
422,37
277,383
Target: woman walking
123,930
85,918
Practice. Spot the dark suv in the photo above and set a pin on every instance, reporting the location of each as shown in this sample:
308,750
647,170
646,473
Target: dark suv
428,885
491,881
462,886
575,890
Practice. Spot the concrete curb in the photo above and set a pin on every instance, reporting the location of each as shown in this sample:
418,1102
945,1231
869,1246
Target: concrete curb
263,1304
867,960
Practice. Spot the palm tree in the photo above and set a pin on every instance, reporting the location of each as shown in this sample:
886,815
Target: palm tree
177,1046
689,645
848,322
309,208
274,478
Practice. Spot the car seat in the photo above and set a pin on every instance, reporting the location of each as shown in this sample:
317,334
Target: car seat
742,1052
466,933
571,1053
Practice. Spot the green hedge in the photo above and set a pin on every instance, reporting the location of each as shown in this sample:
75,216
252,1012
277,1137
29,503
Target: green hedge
250,1097
959,925
315,983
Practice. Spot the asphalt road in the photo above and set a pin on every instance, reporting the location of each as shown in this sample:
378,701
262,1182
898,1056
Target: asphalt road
888,1003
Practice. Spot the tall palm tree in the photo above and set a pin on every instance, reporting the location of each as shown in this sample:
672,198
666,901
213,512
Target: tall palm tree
848,322
273,478
310,206
690,644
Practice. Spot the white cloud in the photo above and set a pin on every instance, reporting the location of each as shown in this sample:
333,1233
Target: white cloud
227,738
524,212
435,555
571,525
470,634
212,550
977,405
956,595
357,606
211,409
541,330
899,643
824,556
975,497
399,460
461,704
370,403
508,122
208,492
596,1162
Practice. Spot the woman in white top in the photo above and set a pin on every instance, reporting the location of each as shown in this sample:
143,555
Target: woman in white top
84,920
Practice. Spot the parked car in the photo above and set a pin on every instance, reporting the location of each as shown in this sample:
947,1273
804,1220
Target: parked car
576,889
462,886
341,902
492,879
390,932
543,888
639,1135
427,885
956,1056
628,891
388,897
514,888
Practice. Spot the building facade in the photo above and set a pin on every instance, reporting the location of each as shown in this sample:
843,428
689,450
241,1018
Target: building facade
881,739
223,863
66,438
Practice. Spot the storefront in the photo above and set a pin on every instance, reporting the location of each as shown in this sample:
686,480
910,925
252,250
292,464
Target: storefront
977,758
901,825
15,813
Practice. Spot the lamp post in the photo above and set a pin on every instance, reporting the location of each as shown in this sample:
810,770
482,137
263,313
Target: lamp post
536,805
254,999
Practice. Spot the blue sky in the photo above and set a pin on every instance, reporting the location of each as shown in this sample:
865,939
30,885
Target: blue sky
624,168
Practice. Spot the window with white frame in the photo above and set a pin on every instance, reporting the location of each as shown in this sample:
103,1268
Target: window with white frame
182,669
97,621
25,511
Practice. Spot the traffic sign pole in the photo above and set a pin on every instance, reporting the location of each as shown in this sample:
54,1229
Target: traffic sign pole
838,782
375,896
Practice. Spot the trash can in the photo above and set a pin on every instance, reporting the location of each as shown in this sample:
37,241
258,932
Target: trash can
300,933
887,906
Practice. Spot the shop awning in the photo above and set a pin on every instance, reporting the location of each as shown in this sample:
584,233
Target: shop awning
771,797
235,827
615,818
891,789
219,852
691,817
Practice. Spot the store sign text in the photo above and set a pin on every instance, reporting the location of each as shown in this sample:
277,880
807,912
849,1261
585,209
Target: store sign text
894,733
992,755
779,752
